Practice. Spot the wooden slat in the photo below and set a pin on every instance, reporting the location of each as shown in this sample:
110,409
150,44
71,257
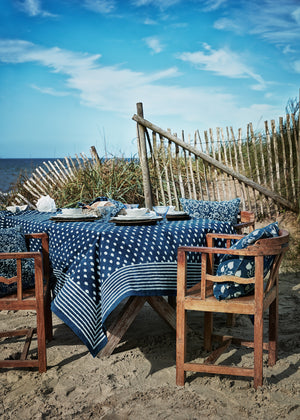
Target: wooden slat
284,165
276,156
205,165
288,128
165,169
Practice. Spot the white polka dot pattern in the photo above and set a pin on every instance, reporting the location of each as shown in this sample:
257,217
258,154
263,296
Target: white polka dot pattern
96,264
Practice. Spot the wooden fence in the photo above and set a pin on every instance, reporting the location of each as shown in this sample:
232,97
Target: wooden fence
50,176
263,169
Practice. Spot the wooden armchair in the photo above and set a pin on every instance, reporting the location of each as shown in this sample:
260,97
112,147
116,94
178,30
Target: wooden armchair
200,298
36,299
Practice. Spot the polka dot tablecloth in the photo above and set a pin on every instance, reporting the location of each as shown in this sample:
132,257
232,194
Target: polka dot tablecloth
97,264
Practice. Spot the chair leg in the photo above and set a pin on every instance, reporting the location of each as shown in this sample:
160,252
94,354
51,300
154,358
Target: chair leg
258,350
273,332
180,344
48,318
41,338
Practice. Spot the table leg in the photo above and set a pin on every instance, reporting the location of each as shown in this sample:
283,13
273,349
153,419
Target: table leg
164,309
130,310
118,328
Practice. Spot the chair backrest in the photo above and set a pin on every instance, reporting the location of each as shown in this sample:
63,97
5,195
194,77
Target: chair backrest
41,270
276,246
33,293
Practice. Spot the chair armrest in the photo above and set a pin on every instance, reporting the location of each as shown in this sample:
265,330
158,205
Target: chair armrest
18,255
251,251
38,235
211,236
224,236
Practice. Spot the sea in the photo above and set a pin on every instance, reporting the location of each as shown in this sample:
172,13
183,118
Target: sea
10,170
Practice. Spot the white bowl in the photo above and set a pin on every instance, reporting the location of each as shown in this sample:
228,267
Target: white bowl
136,212
71,212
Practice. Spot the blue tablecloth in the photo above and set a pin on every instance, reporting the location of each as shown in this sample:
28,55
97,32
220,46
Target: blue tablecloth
97,264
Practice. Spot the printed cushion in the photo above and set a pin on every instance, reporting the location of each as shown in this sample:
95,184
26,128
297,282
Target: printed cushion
224,211
13,240
234,265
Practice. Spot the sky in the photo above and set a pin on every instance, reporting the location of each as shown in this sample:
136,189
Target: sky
72,71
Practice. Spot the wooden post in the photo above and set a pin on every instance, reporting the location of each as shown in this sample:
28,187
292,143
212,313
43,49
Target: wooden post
143,158
95,155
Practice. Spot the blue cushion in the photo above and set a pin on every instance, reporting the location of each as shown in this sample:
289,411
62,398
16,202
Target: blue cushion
13,240
224,211
234,265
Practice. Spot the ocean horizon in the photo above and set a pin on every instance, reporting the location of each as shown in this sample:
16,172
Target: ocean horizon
11,168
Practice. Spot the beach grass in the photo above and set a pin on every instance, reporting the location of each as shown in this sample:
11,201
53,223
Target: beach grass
117,178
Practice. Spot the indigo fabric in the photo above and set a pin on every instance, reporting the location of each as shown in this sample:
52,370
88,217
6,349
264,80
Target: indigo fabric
98,264
13,240
224,211
234,265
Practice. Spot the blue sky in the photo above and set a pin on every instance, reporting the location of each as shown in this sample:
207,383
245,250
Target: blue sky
72,71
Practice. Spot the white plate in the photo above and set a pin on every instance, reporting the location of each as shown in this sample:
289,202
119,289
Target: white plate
71,212
73,216
126,217
176,213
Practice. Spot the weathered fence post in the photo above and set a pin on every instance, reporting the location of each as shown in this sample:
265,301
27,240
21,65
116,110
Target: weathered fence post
143,158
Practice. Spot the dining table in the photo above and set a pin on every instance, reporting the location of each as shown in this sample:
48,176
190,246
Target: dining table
96,264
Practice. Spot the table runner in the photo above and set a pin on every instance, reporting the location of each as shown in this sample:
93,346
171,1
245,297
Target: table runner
97,264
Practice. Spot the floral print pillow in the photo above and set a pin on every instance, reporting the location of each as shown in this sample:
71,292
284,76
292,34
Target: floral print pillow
234,265
223,211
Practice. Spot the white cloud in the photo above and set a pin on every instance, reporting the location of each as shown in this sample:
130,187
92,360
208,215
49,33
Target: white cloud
211,5
49,91
288,50
154,44
149,21
100,6
33,8
296,15
227,24
296,66
273,21
222,62
116,90
97,86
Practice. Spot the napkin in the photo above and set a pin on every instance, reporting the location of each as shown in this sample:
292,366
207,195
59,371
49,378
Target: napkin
46,204
17,209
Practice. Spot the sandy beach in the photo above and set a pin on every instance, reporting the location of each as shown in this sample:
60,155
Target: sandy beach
138,380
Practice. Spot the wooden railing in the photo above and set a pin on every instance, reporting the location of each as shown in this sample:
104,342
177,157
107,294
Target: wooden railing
263,170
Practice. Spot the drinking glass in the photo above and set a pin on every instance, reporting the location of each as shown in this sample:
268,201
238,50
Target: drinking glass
131,206
161,211
106,212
